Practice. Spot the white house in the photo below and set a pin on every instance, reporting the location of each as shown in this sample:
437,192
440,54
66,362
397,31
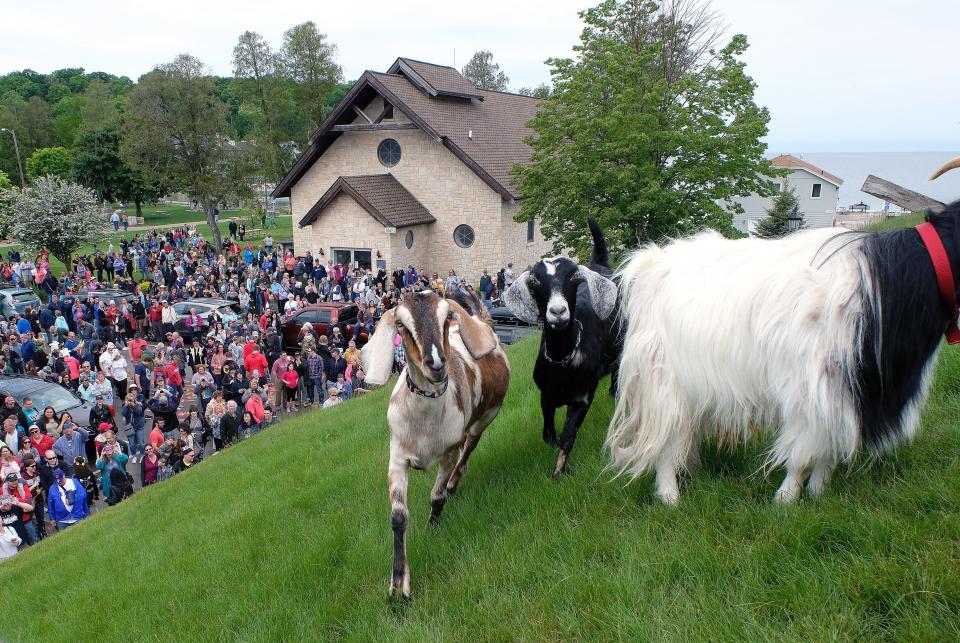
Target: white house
817,189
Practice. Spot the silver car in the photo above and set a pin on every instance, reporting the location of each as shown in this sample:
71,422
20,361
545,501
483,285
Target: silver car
16,300
46,394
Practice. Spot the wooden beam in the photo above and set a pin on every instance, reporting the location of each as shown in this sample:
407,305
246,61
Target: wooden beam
360,112
371,127
899,195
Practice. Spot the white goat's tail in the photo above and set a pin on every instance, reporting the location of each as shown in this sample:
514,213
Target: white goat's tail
651,424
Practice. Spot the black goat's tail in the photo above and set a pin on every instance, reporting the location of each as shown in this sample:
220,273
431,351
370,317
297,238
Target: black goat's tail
601,257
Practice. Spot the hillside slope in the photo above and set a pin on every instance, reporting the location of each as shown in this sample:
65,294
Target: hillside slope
287,536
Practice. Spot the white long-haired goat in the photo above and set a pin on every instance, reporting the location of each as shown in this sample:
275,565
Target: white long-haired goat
825,337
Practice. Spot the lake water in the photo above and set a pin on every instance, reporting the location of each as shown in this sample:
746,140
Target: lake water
909,169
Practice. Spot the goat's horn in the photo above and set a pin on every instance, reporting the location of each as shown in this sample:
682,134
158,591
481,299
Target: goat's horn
950,165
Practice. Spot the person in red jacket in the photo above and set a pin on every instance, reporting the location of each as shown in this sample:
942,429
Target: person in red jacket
171,372
156,320
290,380
255,363
40,440
137,345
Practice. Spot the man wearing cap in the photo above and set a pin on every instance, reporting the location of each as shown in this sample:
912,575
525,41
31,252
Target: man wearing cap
23,500
71,444
168,317
66,501
39,440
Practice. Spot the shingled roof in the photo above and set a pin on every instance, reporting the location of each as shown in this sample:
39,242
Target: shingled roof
379,194
791,162
436,80
484,129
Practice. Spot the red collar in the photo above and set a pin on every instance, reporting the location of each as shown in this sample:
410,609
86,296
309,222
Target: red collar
945,282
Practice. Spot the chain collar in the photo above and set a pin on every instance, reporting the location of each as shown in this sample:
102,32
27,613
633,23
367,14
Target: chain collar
569,358
424,393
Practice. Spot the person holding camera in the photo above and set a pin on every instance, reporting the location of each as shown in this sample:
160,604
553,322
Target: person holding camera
133,415
70,445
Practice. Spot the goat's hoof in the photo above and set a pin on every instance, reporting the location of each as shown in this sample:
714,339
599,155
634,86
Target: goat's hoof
561,468
669,498
434,519
451,491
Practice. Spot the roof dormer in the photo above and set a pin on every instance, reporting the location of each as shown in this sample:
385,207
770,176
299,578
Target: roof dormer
437,81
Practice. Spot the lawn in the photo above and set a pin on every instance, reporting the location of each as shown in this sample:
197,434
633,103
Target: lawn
283,231
287,537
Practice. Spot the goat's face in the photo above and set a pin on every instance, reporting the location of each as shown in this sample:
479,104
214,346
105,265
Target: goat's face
423,321
549,292
553,284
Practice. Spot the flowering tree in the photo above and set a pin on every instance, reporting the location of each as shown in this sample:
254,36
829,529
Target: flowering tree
57,215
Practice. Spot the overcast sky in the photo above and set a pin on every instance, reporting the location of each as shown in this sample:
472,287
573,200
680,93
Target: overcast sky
837,75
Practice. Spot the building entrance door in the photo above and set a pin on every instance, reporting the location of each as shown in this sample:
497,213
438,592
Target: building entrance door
353,257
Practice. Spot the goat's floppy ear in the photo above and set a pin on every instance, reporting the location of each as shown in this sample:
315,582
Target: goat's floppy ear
603,292
377,354
477,336
519,299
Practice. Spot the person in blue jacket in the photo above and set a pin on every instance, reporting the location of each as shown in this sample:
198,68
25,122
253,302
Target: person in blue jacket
67,501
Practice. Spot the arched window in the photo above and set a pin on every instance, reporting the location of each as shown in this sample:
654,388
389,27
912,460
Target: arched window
408,239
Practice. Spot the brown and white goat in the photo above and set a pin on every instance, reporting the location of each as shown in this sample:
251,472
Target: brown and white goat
452,388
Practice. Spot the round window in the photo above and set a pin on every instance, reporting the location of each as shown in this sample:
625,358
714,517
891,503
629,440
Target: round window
408,239
388,152
463,235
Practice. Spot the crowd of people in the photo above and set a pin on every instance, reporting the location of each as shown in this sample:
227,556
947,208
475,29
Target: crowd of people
166,388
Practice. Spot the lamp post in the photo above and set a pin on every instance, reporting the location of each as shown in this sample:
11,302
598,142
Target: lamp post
16,148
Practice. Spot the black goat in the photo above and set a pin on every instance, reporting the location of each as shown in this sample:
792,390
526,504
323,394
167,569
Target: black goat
581,339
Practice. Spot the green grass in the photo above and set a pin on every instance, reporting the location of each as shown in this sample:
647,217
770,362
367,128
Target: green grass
895,223
283,231
287,537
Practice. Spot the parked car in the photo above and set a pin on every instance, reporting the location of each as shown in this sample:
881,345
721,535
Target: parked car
204,307
322,317
46,394
106,295
16,300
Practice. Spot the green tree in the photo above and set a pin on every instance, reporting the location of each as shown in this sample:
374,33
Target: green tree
484,73
786,206
256,67
540,91
5,183
67,117
308,60
175,133
56,161
651,130
97,165
57,215
99,106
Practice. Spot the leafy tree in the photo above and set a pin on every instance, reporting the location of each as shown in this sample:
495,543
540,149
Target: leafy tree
99,106
5,183
175,133
308,60
652,129
484,73
67,118
56,161
786,205
57,215
255,67
540,91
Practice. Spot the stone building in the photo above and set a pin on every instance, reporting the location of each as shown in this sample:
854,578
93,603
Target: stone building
413,167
